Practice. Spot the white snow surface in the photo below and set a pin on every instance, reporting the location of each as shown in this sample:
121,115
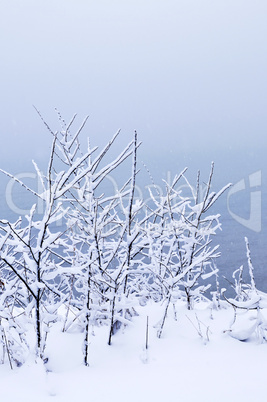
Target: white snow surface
181,366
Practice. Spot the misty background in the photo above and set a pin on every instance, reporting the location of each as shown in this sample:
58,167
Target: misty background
189,75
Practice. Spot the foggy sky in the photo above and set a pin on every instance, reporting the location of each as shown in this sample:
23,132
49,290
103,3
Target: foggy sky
189,75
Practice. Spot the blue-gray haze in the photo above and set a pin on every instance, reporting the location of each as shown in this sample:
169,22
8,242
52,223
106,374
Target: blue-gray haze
190,76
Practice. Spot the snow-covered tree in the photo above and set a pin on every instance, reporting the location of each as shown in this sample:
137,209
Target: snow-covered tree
34,253
92,242
126,273
248,300
180,249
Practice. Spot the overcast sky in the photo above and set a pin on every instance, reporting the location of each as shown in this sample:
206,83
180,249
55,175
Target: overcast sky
187,74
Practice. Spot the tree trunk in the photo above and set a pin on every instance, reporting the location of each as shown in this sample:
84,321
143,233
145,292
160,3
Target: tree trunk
112,317
87,318
38,323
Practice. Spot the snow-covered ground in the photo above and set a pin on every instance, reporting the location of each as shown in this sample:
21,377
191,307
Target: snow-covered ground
181,366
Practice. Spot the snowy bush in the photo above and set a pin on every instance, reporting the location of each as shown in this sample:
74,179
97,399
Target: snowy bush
95,256
248,305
